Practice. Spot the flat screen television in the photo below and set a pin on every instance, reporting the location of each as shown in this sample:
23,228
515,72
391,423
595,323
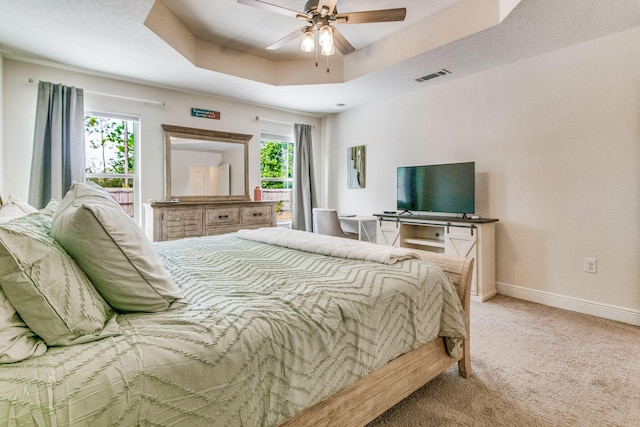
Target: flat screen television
444,188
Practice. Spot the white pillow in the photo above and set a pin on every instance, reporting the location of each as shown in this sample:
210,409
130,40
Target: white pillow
24,206
15,208
113,251
17,341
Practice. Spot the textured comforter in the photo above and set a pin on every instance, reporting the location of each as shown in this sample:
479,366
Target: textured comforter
268,330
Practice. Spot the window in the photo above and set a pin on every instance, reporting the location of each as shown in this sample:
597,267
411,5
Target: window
276,172
276,161
110,146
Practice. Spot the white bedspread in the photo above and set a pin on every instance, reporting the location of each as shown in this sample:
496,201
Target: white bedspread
328,245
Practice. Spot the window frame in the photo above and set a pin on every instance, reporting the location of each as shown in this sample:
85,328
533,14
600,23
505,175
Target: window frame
135,176
283,139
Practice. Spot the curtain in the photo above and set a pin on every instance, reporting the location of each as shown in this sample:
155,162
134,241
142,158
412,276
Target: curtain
303,199
58,143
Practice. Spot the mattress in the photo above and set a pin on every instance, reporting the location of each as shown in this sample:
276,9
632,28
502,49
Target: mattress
267,331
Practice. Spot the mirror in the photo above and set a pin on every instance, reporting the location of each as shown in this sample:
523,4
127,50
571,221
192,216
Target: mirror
205,165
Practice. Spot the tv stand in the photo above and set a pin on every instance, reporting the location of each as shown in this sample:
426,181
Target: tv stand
470,238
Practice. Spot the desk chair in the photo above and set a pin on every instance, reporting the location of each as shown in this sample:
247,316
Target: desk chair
325,221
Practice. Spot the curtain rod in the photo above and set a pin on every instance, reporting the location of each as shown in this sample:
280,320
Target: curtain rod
262,119
110,95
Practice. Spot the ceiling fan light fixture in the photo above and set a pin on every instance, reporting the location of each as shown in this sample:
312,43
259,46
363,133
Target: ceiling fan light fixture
327,49
308,43
320,16
325,35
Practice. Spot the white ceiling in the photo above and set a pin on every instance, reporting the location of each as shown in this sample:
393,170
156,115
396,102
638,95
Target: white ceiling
217,45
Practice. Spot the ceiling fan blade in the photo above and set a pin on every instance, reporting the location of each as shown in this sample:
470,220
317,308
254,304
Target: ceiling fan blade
329,4
384,15
286,39
274,8
341,43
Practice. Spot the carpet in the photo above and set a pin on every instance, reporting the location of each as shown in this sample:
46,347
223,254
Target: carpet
533,365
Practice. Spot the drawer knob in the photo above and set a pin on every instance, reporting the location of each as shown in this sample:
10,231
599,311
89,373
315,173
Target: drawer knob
257,214
223,216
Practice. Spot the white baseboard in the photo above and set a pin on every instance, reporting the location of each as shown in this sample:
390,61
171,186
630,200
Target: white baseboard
606,311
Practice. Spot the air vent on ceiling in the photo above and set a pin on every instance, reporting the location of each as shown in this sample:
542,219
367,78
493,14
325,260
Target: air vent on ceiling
433,75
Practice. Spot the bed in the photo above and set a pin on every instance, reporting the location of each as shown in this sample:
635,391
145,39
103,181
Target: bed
267,327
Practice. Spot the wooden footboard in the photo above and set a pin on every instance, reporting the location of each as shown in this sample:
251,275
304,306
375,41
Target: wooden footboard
368,398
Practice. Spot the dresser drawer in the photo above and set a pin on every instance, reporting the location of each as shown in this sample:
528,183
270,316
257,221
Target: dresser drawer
182,215
193,219
222,216
253,214
181,223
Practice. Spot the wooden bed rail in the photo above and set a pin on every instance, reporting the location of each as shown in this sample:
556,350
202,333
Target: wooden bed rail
369,397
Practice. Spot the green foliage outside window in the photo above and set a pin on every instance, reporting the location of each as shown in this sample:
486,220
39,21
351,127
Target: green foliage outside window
107,137
276,161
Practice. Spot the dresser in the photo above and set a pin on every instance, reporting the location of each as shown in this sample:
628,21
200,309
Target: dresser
171,221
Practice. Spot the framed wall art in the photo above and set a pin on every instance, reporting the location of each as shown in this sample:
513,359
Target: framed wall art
356,167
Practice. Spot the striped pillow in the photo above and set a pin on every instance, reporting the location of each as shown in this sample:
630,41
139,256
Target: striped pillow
113,251
47,288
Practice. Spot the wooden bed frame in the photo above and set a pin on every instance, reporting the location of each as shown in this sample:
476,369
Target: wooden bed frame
369,397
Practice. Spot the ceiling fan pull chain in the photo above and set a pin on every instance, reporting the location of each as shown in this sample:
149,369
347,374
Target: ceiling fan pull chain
327,65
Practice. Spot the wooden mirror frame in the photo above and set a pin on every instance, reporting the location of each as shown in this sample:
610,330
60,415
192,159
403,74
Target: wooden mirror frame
208,135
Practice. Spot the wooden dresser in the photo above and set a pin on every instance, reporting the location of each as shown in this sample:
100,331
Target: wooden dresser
171,221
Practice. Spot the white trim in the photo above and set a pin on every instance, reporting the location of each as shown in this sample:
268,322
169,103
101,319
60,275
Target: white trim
607,311
111,175
281,122
113,115
276,137
263,119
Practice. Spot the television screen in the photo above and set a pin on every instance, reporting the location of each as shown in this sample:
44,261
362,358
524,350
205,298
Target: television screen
445,188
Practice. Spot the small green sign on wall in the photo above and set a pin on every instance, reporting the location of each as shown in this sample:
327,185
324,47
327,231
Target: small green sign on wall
206,114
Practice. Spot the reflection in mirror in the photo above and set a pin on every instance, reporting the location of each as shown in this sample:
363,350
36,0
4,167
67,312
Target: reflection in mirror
204,168
205,165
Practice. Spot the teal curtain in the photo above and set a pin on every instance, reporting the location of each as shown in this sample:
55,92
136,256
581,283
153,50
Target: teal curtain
303,199
58,143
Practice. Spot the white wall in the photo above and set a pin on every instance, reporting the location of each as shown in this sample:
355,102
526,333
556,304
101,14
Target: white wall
1,132
19,99
556,143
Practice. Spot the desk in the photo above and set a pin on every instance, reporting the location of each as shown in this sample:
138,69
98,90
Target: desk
365,226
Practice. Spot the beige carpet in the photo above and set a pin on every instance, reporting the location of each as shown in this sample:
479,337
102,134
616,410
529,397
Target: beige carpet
534,365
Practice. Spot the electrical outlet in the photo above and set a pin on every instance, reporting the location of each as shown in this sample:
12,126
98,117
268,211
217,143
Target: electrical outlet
590,265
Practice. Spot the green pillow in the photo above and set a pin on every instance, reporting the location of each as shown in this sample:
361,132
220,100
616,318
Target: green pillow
47,288
113,251
17,341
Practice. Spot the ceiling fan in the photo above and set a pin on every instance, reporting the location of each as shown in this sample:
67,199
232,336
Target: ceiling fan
321,16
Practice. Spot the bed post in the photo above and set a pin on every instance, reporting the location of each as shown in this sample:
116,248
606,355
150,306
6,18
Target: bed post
464,288
460,272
